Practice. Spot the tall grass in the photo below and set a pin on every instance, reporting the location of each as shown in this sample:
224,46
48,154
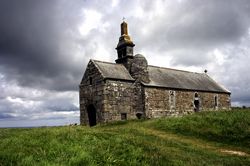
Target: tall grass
165,141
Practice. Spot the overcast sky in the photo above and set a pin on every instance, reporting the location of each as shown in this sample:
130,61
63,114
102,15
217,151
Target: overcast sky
45,46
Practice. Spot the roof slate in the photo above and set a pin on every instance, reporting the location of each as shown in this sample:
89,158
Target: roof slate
113,70
179,79
164,77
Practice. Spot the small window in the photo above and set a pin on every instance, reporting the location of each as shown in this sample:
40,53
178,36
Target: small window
123,116
196,102
172,99
119,54
216,101
90,81
124,52
196,94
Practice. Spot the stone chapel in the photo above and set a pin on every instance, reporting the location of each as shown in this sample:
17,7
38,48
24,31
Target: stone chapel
132,89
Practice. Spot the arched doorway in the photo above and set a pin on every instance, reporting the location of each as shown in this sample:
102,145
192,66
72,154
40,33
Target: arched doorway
91,115
139,115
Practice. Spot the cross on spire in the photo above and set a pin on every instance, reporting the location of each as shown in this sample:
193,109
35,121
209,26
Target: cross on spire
123,18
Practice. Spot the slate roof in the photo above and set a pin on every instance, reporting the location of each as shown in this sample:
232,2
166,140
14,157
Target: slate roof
113,70
179,79
164,77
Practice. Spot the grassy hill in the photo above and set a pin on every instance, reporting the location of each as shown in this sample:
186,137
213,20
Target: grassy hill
205,138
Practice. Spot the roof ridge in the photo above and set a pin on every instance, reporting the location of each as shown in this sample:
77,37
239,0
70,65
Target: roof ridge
174,69
104,62
149,66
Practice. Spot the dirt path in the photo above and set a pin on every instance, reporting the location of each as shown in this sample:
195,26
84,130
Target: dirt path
195,142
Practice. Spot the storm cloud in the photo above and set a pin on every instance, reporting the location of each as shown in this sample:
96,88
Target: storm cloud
36,43
45,46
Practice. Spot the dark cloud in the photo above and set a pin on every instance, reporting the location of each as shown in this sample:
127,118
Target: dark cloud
5,116
33,38
39,41
22,103
59,105
53,118
203,24
194,26
45,46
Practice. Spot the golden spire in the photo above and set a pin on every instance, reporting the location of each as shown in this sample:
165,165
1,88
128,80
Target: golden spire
124,38
124,28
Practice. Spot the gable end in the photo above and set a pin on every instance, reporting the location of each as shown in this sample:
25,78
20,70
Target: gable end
92,74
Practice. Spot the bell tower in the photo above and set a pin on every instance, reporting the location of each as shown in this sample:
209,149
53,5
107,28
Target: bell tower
125,45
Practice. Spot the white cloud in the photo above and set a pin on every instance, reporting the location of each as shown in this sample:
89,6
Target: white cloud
92,19
219,56
114,3
230,67
29,104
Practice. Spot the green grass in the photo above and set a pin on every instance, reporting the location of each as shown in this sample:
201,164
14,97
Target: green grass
199,139
229,127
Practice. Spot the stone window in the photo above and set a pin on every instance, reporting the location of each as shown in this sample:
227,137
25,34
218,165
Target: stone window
196,102
172,99
216,101
123,116
196,94
119,54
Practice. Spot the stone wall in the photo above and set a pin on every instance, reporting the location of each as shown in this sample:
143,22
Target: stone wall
111,98
163,102
91,92
119,98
